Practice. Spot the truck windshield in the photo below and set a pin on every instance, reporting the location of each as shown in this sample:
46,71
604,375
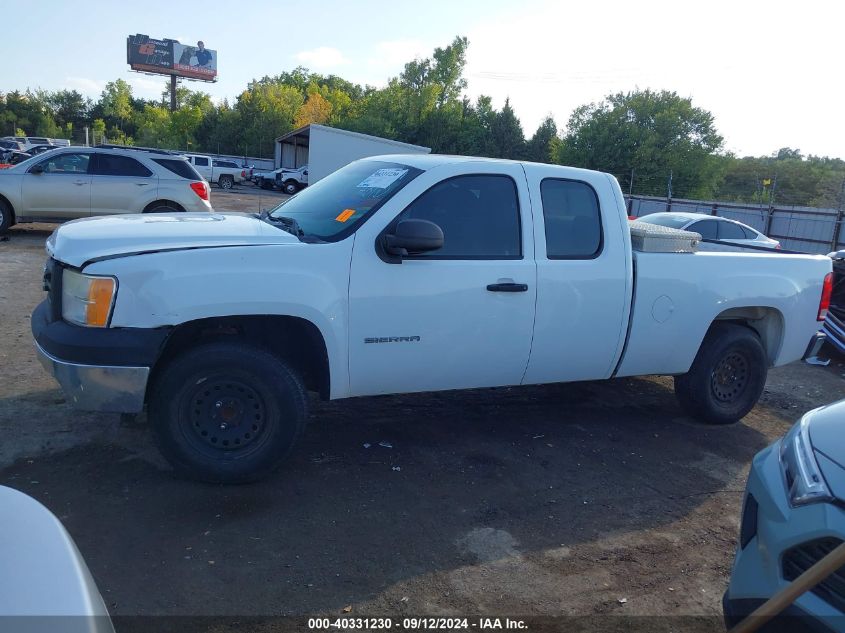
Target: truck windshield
331,208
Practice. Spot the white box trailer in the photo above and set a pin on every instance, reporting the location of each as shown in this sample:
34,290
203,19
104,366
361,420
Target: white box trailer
327,149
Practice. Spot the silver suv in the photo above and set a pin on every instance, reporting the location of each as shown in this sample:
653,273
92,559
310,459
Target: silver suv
81,182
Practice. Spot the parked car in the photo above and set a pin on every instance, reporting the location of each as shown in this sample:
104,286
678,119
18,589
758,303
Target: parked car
28,142
712,228
288,180
224,173
10,143
402,274
35,150
11,157
45,584
79,182
794,515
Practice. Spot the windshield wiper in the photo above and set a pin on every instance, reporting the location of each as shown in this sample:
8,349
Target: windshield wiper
291,226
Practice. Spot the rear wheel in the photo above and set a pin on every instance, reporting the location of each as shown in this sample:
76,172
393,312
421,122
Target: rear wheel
727,376
227,412
226,182
162,206
5,218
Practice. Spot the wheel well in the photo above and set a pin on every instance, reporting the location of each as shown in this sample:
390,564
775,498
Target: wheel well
766,322
176,206
5,201
296,340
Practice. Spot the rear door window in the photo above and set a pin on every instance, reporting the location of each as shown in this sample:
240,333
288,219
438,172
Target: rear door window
730,231
706,228
572,219
200,162
114,165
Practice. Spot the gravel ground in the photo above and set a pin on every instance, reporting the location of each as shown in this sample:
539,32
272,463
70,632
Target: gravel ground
552,500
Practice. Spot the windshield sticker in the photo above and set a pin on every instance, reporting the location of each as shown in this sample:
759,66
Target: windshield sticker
382,178
345,215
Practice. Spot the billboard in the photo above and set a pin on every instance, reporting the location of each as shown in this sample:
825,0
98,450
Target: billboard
169,57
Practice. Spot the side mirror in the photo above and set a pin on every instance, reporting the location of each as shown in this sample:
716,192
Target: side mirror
411,237
36,169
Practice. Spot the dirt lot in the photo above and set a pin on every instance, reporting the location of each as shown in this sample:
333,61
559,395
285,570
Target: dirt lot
561,499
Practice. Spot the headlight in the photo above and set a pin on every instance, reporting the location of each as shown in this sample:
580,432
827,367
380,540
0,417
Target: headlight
87,300
803,478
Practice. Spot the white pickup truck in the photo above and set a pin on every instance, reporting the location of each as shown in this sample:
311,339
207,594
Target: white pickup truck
403,274
288,180
223,173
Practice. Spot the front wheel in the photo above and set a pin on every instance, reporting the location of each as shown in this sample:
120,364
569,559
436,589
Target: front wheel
290,187
727,376
227,412
5,218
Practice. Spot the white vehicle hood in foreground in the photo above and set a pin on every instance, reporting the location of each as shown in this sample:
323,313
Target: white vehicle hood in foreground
88,239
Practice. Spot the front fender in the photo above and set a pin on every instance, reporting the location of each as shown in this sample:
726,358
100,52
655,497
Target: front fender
309,281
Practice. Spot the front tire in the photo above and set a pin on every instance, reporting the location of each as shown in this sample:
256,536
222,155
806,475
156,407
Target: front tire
227,412
727,376
5,218
290,187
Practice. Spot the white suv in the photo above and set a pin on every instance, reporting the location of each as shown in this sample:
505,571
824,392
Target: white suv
81,182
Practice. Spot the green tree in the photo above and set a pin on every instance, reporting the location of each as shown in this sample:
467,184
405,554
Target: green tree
653,133
116,102
507,139
541,147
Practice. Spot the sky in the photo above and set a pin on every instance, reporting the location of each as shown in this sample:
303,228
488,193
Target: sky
772,73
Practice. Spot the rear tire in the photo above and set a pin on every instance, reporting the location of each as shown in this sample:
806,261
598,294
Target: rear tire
727,376
226,182
163,207
6,218
227,412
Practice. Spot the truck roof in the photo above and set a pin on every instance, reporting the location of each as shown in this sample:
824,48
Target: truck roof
429,161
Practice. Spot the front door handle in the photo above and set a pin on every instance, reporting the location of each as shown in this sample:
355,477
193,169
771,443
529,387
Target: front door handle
508,287
141,184
80,182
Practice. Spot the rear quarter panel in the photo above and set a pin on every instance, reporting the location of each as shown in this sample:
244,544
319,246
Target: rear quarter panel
678,296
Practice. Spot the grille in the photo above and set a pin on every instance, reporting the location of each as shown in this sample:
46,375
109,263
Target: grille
799,559
53,286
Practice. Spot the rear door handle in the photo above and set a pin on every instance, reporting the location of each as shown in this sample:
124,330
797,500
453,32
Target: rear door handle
141,184
508,287
80,182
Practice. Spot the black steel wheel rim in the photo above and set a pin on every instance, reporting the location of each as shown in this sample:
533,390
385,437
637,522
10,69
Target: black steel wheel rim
730,377
225,414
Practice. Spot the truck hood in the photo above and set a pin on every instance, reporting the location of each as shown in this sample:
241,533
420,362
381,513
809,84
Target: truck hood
88,239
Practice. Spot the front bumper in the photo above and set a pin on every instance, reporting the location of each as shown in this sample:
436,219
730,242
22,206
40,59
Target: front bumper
98,387
757,572
99,369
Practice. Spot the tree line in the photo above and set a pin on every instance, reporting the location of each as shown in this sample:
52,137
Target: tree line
654,142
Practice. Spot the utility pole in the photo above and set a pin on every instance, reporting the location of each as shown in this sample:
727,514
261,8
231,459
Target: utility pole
173,93
840,212
669,190
86,136
771,212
